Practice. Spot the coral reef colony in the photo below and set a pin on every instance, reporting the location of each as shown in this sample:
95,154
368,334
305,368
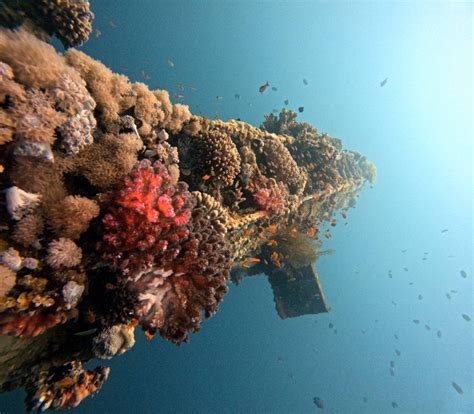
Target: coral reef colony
121,210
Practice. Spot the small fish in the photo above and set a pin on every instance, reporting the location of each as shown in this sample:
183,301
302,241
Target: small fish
365,399
274,89
272,242
206,177
264,87
335,331
392,364
411,283
286,101
237,96
178,96
424,258
394,303
330,326
466,317
383,83
457,388
448,296
180,86
272,228
112,24
463,274
244,266
170,63
454,291
444,230
439,334
398,352
420,297
253,260
305,81
363,331
404,251
392,372
394,404
318,402
145,75
428,327
219,98
149,336
300,109
311,232
405,269
97,33
416,321
395,336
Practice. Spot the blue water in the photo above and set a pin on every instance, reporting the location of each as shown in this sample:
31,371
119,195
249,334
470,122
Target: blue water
417,129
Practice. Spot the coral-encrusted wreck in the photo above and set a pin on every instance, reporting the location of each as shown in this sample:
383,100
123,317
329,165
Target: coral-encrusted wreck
122,210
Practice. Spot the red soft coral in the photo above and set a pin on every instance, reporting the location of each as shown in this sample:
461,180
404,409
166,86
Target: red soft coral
147,219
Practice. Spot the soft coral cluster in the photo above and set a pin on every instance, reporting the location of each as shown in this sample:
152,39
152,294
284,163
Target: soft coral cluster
175,297
270,195
147,219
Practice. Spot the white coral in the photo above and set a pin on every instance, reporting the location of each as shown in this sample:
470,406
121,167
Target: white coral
20,203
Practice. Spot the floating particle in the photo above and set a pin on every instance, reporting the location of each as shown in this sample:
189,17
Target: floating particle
112,24
392,372
330,326
363,331
392,364
305,81
411,283
416,321
318,402
466,317
170,63
425,253
444,230
365,399
448,295
404,250
394,404
424,258
286,101
335,331
394,303
457,388
97,33
383,83
219,97
395,336
398,352
274,89
428,327
300,109
420,297
237,96
439,334
463,274
405,269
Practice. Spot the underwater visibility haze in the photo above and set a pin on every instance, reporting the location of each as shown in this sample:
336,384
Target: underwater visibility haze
281,188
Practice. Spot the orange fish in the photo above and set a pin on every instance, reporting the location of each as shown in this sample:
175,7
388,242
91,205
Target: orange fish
311,232
293,232
206,177
245,266
253,260
149,336
275,259
272,242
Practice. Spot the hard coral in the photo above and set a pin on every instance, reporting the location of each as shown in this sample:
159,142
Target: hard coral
64,387
147,219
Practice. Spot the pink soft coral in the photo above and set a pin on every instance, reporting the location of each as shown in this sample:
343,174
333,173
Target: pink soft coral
270,195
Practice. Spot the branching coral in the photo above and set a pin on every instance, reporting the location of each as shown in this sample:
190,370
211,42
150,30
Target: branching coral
64,387
71,216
